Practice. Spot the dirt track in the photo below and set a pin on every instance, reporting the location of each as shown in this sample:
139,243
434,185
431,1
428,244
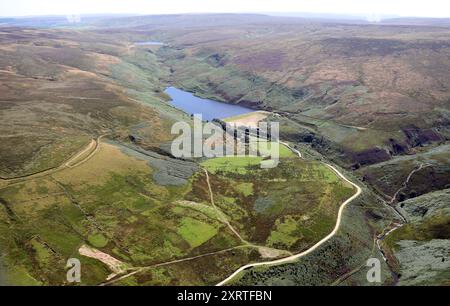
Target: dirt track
95,143
314,247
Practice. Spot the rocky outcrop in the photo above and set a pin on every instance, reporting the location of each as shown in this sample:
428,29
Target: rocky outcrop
417,137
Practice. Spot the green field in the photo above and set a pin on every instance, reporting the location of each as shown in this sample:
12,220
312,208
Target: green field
234,164
369,98
116,203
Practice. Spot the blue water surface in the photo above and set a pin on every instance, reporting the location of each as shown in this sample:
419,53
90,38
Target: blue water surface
209,109
149,43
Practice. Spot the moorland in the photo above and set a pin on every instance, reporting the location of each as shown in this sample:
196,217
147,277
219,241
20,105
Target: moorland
86,169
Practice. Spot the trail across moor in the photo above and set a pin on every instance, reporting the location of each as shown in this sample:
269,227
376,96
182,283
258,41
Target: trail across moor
314,247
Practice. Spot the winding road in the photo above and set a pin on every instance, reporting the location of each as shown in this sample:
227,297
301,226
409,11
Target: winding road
288,259
95,143
93,146
314,247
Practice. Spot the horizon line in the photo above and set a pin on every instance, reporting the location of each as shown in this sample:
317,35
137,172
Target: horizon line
277,14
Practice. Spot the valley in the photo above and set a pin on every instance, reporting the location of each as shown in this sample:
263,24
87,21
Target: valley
86,169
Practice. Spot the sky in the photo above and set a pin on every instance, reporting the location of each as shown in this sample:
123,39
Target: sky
413,8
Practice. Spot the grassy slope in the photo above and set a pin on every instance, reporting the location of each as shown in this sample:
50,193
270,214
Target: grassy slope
388,177
113,203
109,202
101,66
334,79
60,88
341,260
283,209
359,96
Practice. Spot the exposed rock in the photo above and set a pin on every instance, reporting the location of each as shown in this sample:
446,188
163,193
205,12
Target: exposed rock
424,263
425,260
417,137
169,171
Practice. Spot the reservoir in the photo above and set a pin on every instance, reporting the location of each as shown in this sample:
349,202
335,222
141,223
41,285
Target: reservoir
149,43
209,109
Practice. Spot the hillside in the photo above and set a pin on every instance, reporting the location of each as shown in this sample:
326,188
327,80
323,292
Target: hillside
375,91
86,170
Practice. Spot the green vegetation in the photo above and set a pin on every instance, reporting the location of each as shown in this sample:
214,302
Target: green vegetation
235,164
279,207
113,203
380,95
389,176
245,188
196,232
285,233
20,277
347,251
87,84
268,148
98,240
333,102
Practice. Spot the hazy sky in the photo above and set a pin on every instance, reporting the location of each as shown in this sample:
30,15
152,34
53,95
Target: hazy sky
425,8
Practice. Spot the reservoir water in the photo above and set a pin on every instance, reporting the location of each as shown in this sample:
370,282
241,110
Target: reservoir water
149,43
209,109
